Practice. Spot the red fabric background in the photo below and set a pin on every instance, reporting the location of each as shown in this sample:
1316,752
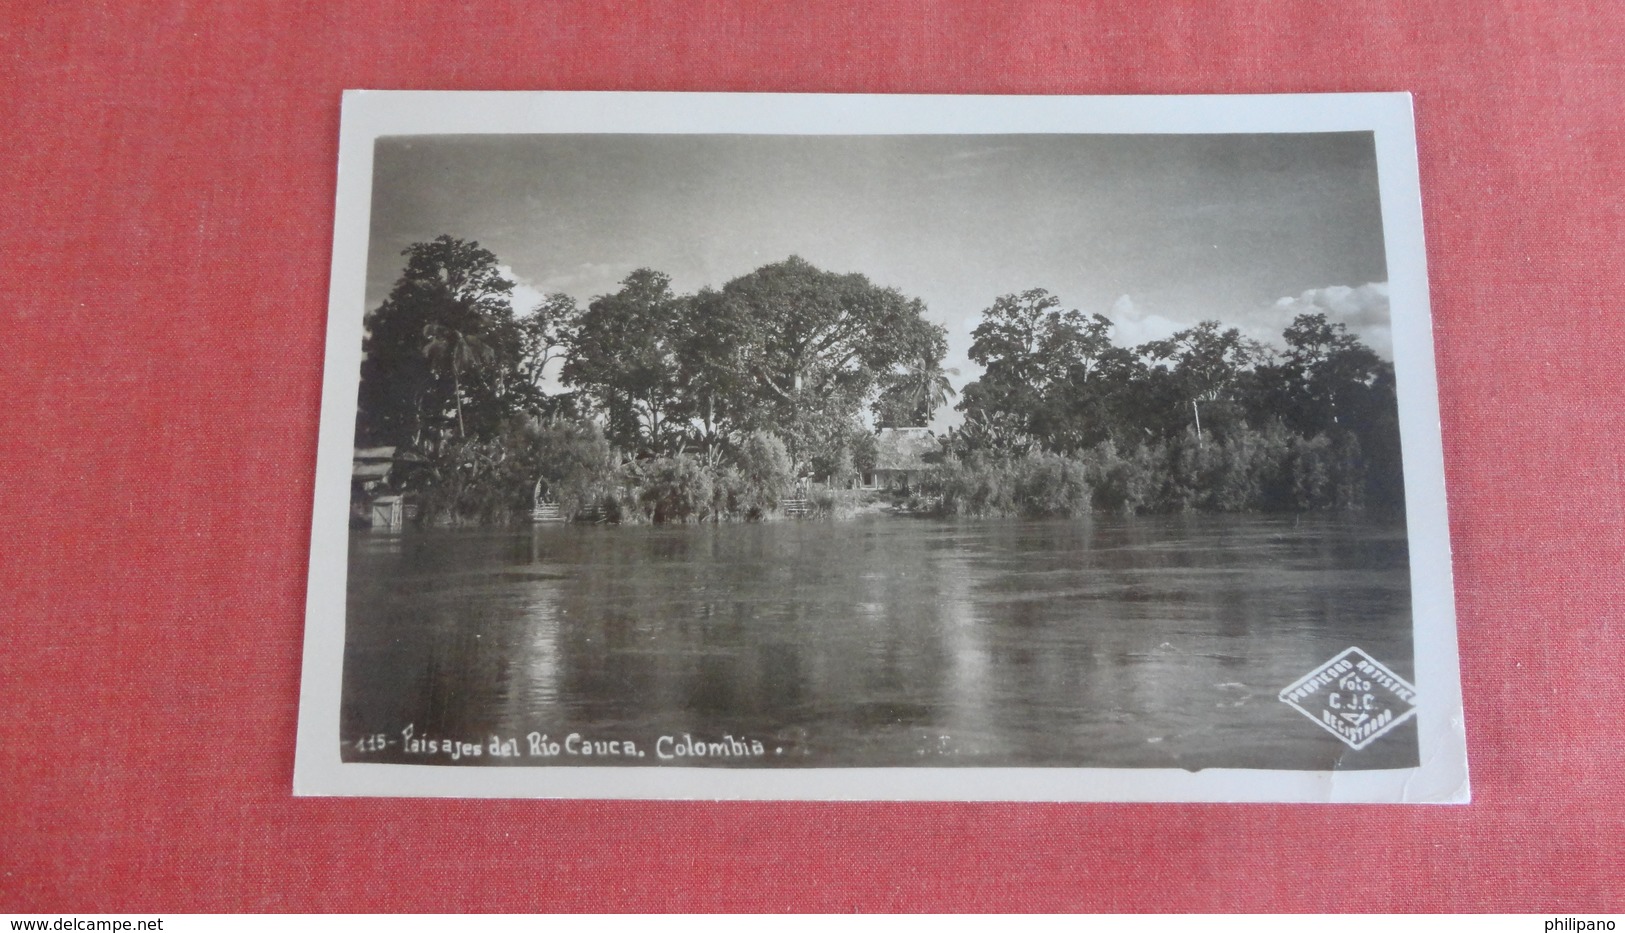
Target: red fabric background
166,195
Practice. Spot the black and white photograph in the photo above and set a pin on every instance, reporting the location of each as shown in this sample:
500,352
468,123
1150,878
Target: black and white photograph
754,446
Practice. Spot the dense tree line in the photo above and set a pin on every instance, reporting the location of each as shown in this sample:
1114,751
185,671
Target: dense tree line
1204,419
679,407
768,377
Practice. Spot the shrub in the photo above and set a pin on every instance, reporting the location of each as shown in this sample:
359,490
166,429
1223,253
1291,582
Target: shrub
1122,483
1184,463
1049,484
1033,484
575,466
1349,471
977,486
763,476
675,489
478,481
1308,471
838,503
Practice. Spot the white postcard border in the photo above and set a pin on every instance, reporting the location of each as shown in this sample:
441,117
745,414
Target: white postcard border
1440,778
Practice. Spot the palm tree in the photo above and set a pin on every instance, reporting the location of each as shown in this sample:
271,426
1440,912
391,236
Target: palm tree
452,350
928,385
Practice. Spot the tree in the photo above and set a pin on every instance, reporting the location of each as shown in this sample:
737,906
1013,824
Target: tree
1207,359
764,472
996,431
1330,383
1206,363
545,335
404,397
624,353
1042,369
814,346
1075,352
574,466
451,350
821,331
1327,372
716,389
787,348
912,396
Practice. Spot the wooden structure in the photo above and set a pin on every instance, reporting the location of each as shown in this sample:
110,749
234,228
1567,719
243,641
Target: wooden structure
374,502
388,512
902,458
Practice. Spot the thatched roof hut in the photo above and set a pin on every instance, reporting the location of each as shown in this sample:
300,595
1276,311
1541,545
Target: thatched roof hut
902,456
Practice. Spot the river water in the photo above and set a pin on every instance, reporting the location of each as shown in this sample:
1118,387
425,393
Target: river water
877,642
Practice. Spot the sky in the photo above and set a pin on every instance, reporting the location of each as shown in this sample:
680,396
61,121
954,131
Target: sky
1157,232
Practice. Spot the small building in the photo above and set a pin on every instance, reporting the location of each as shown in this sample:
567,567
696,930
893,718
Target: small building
374,500
903,456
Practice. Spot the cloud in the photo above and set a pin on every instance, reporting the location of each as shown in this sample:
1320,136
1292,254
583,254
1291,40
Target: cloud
525,296
1363,310
583,282
588,279
1132,327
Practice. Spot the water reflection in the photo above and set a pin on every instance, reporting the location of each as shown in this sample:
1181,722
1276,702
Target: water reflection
1108,642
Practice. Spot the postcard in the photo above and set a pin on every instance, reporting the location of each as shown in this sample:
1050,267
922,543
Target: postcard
845,447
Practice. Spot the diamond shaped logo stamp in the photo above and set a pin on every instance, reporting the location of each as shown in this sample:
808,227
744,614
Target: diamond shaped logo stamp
1354,697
